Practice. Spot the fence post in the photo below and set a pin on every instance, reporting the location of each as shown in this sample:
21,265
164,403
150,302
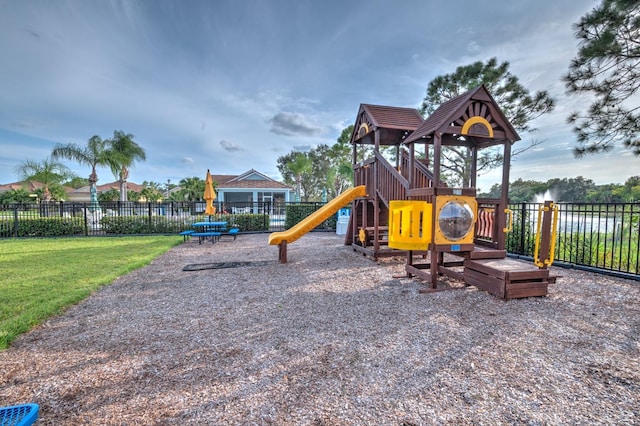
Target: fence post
149,213
86,220
523,222
15,220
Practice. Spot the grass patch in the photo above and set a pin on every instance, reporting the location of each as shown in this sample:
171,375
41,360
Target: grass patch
42,277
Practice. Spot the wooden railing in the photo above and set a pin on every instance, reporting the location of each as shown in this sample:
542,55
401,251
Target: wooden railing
390,185
422,177
363,174
378,175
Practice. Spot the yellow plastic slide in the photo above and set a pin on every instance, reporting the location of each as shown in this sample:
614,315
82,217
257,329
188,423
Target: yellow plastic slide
317,217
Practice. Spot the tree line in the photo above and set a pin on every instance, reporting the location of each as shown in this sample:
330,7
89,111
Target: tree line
119,153
569,190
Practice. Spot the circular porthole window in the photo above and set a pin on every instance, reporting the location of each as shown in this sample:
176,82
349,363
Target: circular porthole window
455,220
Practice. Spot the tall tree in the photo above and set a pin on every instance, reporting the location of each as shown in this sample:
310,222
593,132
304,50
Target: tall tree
516,102
110,194
298,166
321,174
94,154
607,66
323,170
340,154
152,191
49,172
122,153
20,195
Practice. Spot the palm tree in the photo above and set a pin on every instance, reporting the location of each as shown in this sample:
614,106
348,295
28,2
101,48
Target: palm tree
93,155
20,195
50,173
122,153
192,188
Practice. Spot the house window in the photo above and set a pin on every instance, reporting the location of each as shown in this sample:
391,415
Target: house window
238,197
271,197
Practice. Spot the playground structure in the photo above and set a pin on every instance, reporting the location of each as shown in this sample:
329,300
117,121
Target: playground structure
406,209
441,230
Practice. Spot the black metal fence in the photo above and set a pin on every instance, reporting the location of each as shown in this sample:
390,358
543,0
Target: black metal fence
603,236
130,218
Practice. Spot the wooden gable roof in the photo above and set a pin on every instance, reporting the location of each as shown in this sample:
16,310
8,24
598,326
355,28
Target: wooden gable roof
392,124
474,115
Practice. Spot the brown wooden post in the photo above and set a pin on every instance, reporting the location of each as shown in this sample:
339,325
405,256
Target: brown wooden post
282,251
501,216
474,167
545,234
376,202
433,257
354,152
437,148
412,159
426,152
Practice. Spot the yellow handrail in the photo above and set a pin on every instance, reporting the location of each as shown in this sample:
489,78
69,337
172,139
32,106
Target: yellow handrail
552,245
554,230
509,227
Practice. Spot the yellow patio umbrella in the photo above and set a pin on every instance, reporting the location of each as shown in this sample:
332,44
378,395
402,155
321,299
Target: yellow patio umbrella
209,194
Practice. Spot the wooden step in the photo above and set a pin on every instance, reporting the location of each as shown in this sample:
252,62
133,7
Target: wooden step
507,278
371,229
480,252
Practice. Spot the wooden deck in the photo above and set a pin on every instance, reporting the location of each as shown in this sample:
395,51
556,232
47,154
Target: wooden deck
507,278
489,270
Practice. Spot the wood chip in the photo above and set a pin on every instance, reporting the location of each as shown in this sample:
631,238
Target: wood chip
330,338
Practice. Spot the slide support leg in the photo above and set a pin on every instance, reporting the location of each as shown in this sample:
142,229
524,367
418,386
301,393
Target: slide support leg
282,252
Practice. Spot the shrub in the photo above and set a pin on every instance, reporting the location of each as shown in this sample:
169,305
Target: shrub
46,227
298,212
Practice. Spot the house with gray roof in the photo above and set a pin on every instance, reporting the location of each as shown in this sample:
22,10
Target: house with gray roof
251,187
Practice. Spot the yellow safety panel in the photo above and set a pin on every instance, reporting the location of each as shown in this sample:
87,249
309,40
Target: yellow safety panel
410,224
440,234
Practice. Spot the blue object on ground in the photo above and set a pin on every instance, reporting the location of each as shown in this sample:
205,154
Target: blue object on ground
19,415
186,234
233,232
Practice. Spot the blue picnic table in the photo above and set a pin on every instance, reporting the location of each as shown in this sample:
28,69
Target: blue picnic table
209,229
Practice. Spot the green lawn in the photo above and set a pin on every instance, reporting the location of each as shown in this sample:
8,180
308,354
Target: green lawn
41,277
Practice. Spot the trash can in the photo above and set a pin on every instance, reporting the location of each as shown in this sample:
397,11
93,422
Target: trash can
343,221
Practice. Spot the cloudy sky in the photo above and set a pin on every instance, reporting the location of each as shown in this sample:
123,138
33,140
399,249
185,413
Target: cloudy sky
232,85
